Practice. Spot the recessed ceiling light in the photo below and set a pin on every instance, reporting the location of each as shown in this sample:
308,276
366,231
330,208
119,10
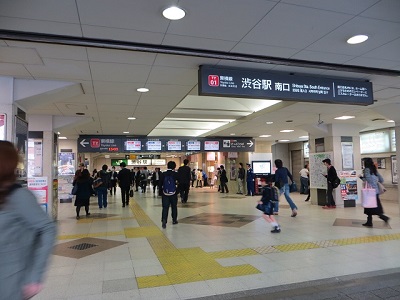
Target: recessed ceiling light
390,121
283,140
287,130
233,134
126,132
345,117
265,135
357,39
303,137
131,118
142,90
173,13
269,123
62,137
60,132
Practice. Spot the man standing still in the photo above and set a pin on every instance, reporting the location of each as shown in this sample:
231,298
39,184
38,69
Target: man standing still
240,178
250,180
169,192
184,176
124,182
330,202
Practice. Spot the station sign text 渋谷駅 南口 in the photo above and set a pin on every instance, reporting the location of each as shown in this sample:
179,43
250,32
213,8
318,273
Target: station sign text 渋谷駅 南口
249,83
110,144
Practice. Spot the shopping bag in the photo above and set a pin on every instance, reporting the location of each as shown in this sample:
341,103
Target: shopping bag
368,196
130,193
381,188
293,187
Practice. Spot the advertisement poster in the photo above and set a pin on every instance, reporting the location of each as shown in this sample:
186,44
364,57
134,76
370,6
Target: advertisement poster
348,185
66,163
39,187
3,120
394,169
347,156
65,188
318,169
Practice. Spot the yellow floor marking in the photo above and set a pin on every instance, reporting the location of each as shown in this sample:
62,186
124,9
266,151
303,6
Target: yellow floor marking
83,235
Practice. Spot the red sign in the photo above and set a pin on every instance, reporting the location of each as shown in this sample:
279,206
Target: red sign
95,143
113,149
213,80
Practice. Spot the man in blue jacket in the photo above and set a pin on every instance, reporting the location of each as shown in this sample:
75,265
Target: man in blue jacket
250,180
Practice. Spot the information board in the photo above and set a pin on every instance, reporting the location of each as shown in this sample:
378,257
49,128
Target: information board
318,169
193,145
174,145
211,145
133,145
153,145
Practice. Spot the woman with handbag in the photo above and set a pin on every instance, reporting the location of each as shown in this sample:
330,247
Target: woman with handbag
372,177
83,192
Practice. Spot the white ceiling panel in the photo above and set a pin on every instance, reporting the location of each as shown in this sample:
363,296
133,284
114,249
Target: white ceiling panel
119,72
20,55
120,56
40,26
212,11
165,60
159,101
180,132
353,7
387,51
117,99
322,56
277,28
124,14
120,34
388,10
374,63
61,69
16,70
173,91
168,75
82,99
264,50
197,43
115,88
112,107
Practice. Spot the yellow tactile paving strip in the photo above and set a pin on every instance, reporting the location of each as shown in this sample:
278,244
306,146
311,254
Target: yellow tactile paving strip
194,264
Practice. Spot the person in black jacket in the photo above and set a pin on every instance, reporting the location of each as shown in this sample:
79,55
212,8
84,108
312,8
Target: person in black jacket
102,190
170,199
124,182
155,180
113,181
224,180
84,183
240,177
184,177
268,201
330,176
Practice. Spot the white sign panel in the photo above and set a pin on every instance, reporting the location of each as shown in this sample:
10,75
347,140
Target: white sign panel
133,145
174,145
193,146
158,162
211,145
375,142
153,145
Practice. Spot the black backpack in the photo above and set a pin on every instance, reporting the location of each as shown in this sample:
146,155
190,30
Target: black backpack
335,182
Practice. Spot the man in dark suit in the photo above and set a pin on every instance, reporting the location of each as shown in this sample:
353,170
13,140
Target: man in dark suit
184,176
155,180
124,182
170,199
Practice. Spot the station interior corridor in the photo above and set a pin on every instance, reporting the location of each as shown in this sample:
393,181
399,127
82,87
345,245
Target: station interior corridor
222,248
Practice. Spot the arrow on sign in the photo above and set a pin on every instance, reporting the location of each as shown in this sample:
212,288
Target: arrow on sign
83,143
250,144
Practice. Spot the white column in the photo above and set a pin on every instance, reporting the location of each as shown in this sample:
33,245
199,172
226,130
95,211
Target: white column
6,105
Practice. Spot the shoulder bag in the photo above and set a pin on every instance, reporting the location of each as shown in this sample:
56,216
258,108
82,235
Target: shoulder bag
368,196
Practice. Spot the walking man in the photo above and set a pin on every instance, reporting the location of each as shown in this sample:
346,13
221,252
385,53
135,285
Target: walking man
184,176
124,182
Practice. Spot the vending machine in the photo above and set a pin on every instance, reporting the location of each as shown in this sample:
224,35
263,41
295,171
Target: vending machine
261,169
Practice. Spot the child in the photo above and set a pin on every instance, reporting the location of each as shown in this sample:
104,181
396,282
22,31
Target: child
212,181
268,201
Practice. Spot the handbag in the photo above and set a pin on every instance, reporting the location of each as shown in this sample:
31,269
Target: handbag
381,188
74,189
130,193
293,187
260,207
368,197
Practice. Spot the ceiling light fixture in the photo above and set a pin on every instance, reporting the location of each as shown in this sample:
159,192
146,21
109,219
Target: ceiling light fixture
303,137
390,121
345,117
233,134
357,39
62,137
173,13
265,135
269,123
131,118
283,140
287,130
142,90
126,132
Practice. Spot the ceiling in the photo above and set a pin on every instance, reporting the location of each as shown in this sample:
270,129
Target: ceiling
102,83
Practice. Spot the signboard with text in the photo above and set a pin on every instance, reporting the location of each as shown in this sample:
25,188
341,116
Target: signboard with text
110,144
251,83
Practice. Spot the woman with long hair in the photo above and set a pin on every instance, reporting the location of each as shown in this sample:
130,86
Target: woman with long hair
372,177
84,183
27,234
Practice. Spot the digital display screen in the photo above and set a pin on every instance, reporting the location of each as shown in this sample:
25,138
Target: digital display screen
193,146
211,145
262,167
174,145
153,145
133,145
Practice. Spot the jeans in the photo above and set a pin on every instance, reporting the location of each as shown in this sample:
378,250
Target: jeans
285,190
102,196
240,185
304,185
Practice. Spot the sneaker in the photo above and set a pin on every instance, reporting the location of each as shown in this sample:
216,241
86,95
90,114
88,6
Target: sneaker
276,213
367,224
276,229
175,222
294,213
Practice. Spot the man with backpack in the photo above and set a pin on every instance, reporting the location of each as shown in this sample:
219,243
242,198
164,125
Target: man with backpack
169,193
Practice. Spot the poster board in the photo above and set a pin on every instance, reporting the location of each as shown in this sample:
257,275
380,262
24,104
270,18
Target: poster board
317,169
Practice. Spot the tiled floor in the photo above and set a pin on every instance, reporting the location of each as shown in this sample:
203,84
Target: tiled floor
221,245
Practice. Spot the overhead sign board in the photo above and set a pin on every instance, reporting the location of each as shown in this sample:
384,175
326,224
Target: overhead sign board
125,144
251,83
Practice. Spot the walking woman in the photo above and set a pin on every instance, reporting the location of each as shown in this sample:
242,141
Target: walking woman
372,177
27,234
282,183
84,183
